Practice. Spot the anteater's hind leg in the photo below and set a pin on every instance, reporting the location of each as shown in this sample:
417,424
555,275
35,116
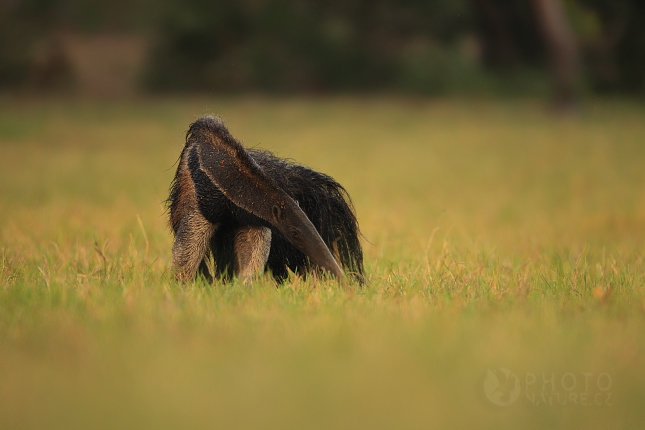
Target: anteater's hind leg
251,250
191,243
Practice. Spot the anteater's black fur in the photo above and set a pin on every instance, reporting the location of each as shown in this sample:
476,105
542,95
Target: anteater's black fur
325,202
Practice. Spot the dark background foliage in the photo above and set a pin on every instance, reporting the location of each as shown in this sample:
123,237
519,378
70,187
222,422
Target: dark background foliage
430,47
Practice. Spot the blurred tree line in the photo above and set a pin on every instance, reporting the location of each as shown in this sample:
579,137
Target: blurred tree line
432,46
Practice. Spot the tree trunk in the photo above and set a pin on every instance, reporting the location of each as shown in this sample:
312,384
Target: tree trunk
563,51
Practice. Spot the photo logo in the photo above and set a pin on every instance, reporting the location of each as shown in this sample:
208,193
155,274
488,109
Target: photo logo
502,387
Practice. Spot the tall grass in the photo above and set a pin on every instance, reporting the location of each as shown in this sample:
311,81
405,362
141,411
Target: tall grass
496,237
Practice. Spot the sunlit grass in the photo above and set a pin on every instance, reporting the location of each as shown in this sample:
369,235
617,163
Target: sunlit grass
495,236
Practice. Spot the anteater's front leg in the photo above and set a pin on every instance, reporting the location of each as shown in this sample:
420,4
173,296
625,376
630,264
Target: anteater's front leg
251,249
191,243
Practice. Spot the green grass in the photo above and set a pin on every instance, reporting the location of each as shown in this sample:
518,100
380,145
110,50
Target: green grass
496,237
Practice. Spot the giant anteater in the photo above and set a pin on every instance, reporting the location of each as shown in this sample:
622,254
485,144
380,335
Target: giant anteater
255,212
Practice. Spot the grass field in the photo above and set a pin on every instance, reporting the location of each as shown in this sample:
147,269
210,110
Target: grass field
504,250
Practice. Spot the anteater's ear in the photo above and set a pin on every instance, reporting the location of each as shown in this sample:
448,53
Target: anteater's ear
277,214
